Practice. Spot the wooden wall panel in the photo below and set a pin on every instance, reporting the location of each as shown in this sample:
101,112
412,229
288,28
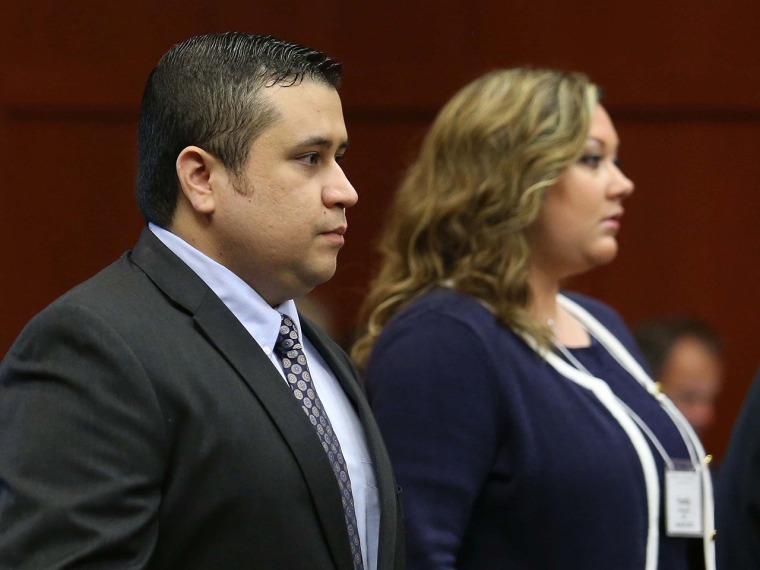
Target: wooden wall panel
651,55
69,211
315,24
407,55
88,55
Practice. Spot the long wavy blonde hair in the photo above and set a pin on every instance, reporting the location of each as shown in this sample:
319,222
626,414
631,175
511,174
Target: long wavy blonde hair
461,212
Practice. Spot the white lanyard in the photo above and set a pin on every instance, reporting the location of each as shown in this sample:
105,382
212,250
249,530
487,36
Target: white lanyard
688,492
572,360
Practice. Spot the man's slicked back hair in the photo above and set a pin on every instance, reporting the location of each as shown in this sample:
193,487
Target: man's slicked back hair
206,92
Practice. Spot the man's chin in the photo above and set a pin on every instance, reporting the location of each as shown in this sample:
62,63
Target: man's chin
319,275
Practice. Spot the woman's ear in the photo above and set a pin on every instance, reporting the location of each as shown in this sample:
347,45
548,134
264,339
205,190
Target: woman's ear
195,168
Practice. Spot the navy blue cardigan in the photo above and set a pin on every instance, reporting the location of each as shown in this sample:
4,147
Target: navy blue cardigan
505,463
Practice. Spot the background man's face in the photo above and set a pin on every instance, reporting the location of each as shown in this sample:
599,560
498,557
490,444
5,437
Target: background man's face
692,377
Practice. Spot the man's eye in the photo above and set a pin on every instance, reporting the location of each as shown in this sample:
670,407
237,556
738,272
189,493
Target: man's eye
310,159
592,160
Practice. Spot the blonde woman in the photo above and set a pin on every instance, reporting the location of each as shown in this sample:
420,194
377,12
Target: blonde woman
522,427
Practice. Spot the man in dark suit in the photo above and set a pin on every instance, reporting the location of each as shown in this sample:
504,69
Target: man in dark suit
173,412
737,500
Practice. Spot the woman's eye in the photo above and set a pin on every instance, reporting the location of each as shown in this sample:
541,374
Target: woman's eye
591,159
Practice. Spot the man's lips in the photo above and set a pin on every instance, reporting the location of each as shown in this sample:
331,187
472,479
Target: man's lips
340,230
336,234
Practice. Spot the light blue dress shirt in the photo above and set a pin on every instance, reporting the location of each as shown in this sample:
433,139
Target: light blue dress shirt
263,323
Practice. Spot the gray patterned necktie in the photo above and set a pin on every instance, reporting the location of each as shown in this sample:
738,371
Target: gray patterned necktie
290,351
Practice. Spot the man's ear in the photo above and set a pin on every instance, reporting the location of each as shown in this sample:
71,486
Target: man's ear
198,172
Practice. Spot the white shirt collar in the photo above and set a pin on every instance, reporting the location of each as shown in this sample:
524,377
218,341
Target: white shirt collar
260,319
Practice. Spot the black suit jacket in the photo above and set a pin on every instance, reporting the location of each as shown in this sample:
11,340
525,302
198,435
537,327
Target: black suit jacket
737,500
142,427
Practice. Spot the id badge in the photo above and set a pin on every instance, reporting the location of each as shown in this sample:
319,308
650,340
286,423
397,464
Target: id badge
683,501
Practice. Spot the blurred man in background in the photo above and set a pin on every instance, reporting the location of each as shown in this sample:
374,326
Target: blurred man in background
685,357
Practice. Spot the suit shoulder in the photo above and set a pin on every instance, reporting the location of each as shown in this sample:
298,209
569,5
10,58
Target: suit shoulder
111,281
117,295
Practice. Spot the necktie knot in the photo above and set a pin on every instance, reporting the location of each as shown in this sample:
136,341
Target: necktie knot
288,344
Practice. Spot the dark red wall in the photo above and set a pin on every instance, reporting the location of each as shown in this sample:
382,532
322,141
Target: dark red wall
682,81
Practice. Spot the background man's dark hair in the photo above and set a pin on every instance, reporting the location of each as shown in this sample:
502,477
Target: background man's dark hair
657,337
206,92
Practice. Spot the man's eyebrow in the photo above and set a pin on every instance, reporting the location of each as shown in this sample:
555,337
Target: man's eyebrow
321,141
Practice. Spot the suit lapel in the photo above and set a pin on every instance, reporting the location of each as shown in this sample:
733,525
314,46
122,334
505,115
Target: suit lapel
390,532
231,339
